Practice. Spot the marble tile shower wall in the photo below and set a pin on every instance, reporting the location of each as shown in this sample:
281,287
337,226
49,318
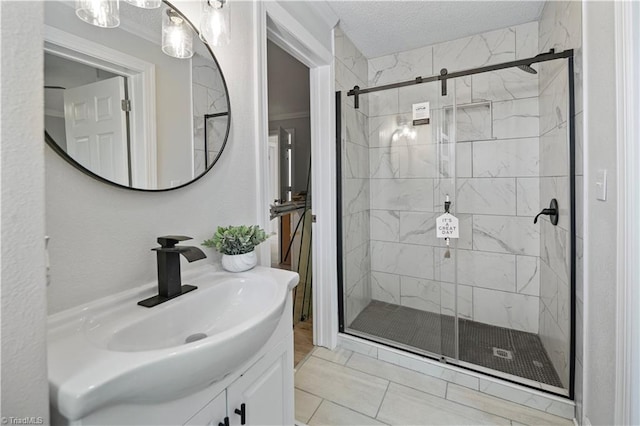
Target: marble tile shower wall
560,28
209,98
351,70
497,173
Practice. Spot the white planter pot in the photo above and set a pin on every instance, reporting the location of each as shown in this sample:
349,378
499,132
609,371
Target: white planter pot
239,262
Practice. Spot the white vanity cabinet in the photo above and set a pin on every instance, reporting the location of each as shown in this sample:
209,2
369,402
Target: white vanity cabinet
265,387
262,395
259,390
266,390
212,414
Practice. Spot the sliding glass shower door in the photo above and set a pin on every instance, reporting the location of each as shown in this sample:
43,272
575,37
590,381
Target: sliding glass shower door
389,176
443,251
494,186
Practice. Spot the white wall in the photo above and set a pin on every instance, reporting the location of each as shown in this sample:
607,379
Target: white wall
600,216
101,236
56,128
288,84
23,303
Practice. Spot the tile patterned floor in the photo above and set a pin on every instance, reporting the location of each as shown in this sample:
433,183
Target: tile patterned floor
302,340
435,333
345,388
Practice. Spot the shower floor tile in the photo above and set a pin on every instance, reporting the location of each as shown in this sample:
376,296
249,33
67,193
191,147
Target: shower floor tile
435,333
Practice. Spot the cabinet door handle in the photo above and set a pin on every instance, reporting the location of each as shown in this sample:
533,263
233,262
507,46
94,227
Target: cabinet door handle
226,422
242,412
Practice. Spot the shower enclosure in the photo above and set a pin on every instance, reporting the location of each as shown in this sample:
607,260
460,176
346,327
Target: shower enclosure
493,146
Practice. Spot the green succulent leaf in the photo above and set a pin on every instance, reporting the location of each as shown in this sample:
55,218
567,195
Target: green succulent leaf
236,239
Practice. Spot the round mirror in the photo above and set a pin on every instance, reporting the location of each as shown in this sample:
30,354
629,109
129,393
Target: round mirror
125,112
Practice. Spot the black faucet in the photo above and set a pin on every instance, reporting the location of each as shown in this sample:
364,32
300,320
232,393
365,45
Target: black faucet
169,281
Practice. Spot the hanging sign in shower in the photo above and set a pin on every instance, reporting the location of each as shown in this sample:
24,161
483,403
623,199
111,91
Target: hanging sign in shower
447,226
421,113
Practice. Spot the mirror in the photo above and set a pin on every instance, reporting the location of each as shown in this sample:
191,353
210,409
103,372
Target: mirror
124,112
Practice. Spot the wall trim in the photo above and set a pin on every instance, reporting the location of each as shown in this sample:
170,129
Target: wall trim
289,116
627,371
586,383
262,128
273,22
324,12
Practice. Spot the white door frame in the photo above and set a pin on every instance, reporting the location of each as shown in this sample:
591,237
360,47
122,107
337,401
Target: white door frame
142,79
627,372
273,22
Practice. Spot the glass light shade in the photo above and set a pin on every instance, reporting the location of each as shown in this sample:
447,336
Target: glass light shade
177,36
101,13
146,4
215,22
404,132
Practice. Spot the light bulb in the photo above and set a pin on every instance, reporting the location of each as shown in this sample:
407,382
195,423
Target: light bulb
177,37
404,132
214,24
101,13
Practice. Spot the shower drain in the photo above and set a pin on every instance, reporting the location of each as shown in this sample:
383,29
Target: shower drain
502,353
194,337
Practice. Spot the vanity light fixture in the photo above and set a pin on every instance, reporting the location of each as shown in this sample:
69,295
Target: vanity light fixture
145,4
177,37
101,13
215,22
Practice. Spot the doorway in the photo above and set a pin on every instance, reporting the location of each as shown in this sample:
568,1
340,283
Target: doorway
290,183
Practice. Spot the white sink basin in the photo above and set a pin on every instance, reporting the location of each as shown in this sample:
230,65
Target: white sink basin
113,350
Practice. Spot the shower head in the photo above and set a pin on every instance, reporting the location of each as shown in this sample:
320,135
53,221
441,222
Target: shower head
527,68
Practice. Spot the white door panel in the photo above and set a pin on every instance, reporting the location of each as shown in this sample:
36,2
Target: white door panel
96,128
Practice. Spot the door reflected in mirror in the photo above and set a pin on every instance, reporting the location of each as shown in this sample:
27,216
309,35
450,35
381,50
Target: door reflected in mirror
124,112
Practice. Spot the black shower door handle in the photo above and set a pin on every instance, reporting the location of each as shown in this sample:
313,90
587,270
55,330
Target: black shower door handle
553,212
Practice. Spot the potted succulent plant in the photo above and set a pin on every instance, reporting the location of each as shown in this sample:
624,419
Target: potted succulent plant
237,244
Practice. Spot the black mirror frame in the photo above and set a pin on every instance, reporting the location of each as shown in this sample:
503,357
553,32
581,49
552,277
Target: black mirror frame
53,145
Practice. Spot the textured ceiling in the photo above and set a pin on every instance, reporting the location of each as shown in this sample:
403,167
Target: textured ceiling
379,28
